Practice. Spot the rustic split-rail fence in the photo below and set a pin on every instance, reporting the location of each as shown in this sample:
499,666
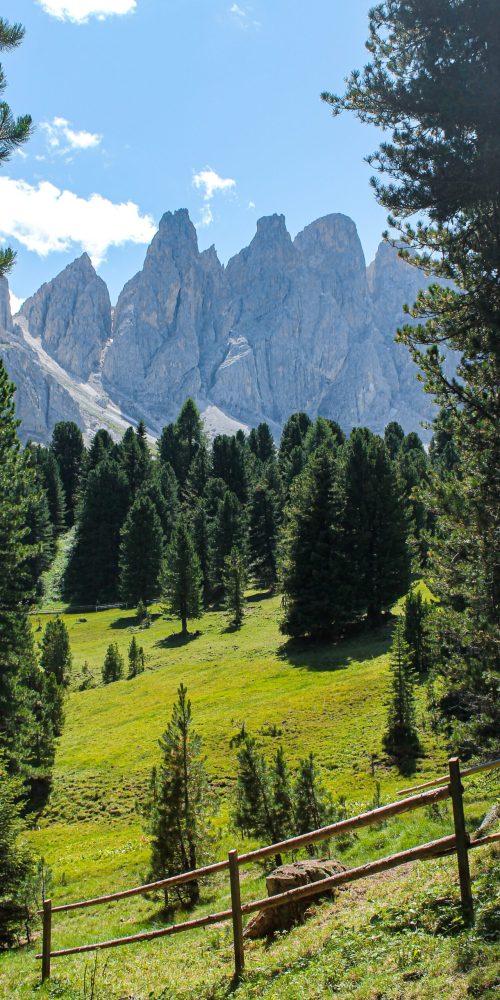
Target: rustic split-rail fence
447,786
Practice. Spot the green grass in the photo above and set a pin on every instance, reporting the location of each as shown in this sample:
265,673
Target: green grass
328,699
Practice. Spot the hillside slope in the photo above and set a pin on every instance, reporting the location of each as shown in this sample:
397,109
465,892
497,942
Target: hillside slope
327,699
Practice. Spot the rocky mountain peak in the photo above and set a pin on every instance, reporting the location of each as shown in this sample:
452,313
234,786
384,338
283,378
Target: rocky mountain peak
71,316
5,310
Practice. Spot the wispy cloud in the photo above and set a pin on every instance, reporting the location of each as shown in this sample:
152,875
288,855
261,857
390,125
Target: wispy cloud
62,139
46,219
243,17
210,182
79,11
15,302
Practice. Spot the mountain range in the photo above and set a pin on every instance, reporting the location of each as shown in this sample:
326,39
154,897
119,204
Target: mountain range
286,325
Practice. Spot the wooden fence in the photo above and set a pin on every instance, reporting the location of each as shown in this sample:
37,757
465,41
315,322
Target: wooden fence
447,786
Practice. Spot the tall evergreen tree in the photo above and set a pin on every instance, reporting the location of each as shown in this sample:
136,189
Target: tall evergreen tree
313,807
141,552
417,632
112,668
136,659
376,525
135,459
69,451
200,531
40,535
401,737
228,531
92,574
432,82
101,447
263,535
235,581
17,864
178,820
229,464
181,579
393,438
55,655
14,131
189,438
316,596
44,461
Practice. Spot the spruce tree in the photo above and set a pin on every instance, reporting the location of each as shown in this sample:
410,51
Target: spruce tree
93,569
376,525
235,581
55,653
100,448
401,737
417,631
136,659
141,552
314,572
263,535
179,813
283,809
254,812
229,464
228,531
14,131
135,459
44,461
17,864
69,451
200,531
181,579
432,83
312,805
40,536
112,668
393,438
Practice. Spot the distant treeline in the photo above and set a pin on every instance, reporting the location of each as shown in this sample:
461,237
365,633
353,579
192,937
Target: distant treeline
332,520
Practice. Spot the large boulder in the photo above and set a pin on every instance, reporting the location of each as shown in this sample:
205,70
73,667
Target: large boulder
283,879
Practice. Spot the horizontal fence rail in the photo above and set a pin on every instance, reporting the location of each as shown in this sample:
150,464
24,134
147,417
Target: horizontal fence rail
489,765
459,843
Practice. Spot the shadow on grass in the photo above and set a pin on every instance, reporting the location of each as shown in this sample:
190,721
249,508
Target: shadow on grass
262,595
360,641
177,639
120,623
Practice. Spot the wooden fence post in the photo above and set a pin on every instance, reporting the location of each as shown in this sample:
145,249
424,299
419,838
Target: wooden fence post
462,840
47,938
234,875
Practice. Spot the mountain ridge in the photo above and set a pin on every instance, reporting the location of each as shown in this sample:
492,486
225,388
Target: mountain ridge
285,325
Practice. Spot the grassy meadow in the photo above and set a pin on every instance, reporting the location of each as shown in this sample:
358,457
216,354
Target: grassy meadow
380,939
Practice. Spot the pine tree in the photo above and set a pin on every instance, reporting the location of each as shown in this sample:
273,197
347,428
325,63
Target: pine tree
263,535
201,539
235,581
93,570
228,531
229,464
401,737
181,579
14,131
316,593
44,461
69,451
40,535
417,634
112,668
101,447
141,552
376,525
393,438
254,793
432,83
55,655
17,865
135,659
179,812
312,805
135,459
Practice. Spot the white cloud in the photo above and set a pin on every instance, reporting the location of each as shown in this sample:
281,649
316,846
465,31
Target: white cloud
15,302
46,220
63,139
79,11
210,183
251,205
242,16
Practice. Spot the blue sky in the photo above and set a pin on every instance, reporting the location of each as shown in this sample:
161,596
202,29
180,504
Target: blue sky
144,106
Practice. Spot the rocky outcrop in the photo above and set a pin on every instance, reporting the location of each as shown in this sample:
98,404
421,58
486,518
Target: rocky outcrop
169,328
282,879
71,316
40,399
287,325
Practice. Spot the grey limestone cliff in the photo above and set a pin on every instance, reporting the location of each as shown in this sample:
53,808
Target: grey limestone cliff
71,316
